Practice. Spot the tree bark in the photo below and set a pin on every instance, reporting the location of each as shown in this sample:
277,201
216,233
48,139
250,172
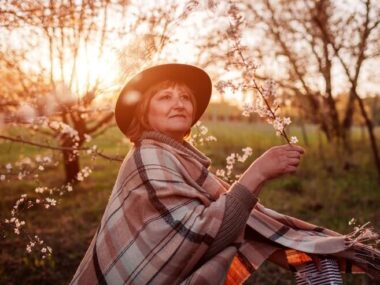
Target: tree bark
347,121
71,166
304,134
71,157
371,134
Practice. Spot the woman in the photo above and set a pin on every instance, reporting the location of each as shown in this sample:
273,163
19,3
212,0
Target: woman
170,221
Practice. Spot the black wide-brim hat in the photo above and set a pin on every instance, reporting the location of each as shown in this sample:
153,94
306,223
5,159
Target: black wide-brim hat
130,96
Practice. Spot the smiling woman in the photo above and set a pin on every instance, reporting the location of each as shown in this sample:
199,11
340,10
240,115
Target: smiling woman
168,106
171,109
167,90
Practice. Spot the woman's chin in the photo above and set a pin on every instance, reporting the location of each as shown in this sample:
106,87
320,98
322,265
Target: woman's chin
176,133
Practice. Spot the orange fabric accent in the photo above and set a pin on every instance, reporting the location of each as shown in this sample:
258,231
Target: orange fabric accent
237,273
297,258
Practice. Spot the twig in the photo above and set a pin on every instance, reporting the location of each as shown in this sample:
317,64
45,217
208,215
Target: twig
19,140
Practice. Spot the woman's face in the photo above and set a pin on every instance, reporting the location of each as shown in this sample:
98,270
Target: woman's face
170,111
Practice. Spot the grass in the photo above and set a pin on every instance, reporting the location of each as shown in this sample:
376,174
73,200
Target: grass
329,189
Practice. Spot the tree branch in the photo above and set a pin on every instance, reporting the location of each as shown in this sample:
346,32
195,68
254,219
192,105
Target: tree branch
19,140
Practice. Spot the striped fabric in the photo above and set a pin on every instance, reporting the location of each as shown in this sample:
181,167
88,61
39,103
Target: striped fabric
165,215
327,274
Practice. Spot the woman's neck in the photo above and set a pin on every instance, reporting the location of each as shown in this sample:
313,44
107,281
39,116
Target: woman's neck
183,145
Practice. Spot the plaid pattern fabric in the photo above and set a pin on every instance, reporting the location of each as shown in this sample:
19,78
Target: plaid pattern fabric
285,232
165,211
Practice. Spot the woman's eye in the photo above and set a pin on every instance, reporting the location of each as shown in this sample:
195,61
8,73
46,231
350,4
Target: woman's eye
165,97
185,97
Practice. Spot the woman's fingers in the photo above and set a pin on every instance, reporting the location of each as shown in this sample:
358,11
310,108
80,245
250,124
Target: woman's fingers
293,154
293,147
294,161
278,160
291,169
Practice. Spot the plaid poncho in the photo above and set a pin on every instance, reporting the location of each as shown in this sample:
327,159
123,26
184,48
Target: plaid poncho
171,221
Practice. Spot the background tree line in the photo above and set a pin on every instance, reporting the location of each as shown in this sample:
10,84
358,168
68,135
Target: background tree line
322,54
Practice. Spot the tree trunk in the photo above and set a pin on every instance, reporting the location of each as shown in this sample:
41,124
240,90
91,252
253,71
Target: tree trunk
362,134
70,158
325,129
71,165
304,134
347,121
371,135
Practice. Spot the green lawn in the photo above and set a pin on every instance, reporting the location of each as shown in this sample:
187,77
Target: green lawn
324,191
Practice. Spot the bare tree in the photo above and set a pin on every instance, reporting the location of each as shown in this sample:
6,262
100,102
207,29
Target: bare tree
47,70
314,41
308,58
354,39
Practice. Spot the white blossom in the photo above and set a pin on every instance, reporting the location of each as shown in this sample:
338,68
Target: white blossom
51,201
54,125
247,109
25,161
230,159
220,172
87,138
40,189
20,176
287,121
293,140
27,112
80,176
203,130
46,159
69,188
200,136
247,150
278,124
211,139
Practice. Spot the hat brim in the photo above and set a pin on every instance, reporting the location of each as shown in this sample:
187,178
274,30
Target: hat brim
130,96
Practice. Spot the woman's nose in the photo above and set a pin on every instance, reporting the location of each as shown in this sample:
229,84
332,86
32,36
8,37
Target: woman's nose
179,102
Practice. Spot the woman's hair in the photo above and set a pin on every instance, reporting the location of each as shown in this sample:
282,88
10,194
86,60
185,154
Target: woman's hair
140,122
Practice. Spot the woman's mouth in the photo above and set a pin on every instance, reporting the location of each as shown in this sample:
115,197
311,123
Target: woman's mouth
178,116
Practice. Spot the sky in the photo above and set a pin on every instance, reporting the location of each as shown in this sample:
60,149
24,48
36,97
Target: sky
91,67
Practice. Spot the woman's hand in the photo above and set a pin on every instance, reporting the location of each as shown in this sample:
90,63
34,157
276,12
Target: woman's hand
276,161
